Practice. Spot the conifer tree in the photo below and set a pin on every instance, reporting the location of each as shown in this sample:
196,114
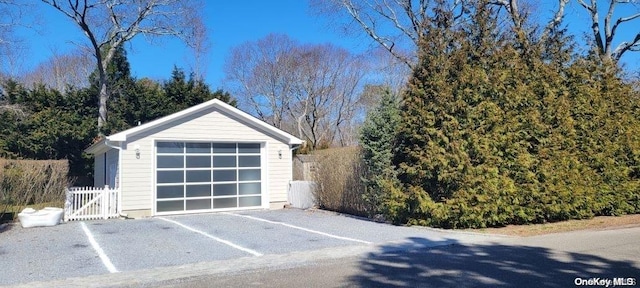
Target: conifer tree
493,134
377,139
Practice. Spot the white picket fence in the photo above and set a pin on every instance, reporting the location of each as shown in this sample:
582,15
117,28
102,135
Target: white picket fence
301,194
88,203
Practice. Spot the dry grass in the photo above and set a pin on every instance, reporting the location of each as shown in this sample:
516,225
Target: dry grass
34,183
338,177
597,223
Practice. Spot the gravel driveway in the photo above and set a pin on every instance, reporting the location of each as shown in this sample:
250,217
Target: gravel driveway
78,249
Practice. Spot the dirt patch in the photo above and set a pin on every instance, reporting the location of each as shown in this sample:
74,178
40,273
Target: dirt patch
597,223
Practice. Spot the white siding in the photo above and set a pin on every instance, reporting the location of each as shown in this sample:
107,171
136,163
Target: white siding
210,125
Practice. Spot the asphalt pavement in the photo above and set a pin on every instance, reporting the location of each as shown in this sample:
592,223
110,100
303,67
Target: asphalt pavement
298,248
145,251
604,258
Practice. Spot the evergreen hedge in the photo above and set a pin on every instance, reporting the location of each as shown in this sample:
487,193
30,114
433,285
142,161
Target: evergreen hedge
493,132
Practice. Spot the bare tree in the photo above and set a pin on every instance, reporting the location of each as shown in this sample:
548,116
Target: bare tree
399,26
11,46
328,80
604,26
308,90
7,20
261,77
108,24
199,48
613,19
61,71
388,71
396,25
518,14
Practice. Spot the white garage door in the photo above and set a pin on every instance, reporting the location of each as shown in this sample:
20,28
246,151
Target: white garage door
193,177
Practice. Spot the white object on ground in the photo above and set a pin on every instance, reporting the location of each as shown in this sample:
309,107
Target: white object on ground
49,216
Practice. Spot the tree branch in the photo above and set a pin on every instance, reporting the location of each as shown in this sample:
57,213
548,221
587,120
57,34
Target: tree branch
626,46
608,33
386,43
556,20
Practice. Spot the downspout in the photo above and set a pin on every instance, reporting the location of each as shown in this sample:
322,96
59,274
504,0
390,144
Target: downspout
106,142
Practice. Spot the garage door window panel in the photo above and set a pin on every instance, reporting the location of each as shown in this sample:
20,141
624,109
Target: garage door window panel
198,190
173,191
170,206
224,161
170,161
250,201
224,175
219,203
198,162
200,148
200,176
245,148
172,176
226,148
249,161
250,189
249,175
224,189
199,204
170,147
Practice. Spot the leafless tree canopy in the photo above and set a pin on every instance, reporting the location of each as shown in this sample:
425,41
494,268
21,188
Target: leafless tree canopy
61,71
108,24
7,20
309,90
396,25
200,48
399,25
606,26
11,47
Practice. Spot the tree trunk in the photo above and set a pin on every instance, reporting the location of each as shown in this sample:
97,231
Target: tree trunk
103,96
102,106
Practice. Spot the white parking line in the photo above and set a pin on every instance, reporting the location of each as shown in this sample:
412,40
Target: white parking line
299,228
252,252
105,260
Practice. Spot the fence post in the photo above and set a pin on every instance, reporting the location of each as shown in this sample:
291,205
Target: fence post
104,205
67,204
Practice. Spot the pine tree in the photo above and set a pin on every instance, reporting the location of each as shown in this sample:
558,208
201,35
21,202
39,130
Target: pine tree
377,139
182,93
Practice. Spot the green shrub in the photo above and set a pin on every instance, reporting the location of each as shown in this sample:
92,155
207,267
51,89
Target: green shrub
377,137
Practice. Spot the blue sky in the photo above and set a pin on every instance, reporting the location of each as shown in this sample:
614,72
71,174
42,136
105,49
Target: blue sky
230,24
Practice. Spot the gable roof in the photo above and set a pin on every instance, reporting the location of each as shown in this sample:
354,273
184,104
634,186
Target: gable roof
259,124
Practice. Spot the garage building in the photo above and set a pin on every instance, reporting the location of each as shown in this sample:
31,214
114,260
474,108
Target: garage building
209,157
